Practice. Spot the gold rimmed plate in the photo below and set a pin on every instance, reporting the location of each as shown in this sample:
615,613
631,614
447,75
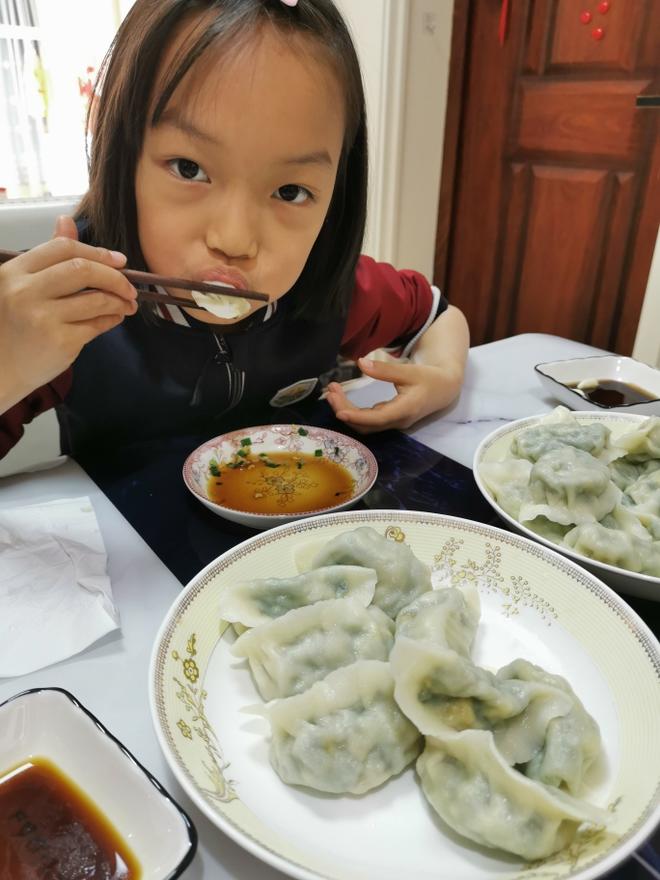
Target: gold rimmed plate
535,604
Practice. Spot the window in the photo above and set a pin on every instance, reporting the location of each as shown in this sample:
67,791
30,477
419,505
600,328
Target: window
50,51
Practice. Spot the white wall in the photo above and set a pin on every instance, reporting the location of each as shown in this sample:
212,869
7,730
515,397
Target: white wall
404,48
647,341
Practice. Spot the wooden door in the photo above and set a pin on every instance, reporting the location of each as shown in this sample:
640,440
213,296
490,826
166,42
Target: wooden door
550,195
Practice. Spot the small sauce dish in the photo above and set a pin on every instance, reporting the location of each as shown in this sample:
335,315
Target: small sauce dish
607,383
271,474
73,799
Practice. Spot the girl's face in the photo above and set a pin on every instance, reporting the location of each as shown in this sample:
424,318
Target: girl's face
235,181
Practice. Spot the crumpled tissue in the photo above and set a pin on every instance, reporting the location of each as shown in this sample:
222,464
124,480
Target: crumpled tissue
55,594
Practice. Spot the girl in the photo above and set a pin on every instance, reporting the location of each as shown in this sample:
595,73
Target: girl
229,145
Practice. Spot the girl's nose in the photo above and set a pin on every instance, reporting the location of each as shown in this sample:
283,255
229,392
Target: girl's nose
232,229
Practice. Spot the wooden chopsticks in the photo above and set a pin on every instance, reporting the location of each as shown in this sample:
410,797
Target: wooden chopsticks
140,279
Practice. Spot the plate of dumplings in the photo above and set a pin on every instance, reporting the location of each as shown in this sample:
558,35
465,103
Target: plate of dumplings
584,483
390,693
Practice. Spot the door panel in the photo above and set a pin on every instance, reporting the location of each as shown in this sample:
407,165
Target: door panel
573,45
549,212
560,117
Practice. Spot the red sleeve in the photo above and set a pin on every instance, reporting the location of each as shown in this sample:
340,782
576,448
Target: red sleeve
46,397
388,307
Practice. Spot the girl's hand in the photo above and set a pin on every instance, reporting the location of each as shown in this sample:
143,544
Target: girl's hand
53,300
422,389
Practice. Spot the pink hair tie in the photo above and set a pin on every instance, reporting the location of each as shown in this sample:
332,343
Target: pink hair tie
290,2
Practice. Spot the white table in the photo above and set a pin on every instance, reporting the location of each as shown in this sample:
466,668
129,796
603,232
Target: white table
110,678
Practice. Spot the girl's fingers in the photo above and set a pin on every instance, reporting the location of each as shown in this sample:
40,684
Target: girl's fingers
80,273
62,249
386,371
91,304
394,413
65,226
91,329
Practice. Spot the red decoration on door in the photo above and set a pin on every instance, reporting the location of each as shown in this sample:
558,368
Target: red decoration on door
598,33
604,7
585,17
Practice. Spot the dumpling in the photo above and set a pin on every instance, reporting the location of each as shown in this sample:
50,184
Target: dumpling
643,443
343,735
571,742
508,481
480,796
448,617
567,486
544,527
626,519
615,547
624,472
644,493
289,654
535,442
401,576
441,691
257,601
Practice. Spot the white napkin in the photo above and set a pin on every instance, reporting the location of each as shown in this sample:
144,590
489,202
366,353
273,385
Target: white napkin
55,594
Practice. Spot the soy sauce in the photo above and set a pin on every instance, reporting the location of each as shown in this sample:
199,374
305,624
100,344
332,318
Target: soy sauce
611,392
51,831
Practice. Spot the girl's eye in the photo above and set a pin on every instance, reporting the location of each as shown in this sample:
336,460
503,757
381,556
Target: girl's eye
293,194
188,170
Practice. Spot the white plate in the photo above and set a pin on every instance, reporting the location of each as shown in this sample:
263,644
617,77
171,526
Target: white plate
50,723
350,453
535,604
496,446
556,376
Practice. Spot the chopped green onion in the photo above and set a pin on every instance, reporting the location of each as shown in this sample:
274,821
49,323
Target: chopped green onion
246,441
318,453
303,432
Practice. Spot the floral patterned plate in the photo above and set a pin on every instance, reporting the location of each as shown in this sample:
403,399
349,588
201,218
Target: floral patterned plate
535,603
275,484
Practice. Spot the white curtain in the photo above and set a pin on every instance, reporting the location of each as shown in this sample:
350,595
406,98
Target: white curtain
23,100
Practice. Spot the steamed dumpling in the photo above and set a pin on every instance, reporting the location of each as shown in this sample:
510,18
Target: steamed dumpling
644,493
258,601
624,472
535,442
480,796
401,576
571,742
343,735
447,617
289,654
567,486
508,481
441,691
221,305
643,443
615,547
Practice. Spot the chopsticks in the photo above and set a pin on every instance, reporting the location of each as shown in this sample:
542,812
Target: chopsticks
139,279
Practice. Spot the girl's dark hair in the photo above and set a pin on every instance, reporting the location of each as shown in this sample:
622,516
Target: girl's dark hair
125,102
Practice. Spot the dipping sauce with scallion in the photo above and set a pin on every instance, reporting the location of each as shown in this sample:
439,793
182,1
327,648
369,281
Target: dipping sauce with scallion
278,482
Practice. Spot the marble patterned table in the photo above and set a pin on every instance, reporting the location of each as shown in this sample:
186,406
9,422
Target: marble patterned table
158,536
